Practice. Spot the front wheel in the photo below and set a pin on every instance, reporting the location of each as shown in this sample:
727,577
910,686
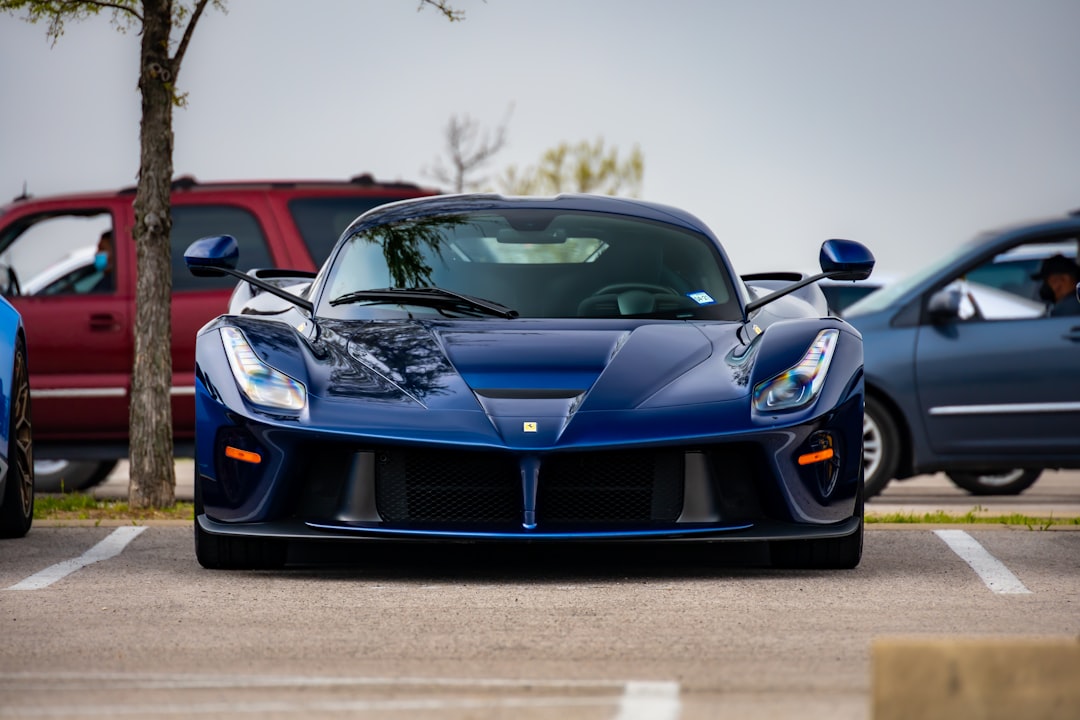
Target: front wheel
843,553
224,552
17,508
881,446
1011,482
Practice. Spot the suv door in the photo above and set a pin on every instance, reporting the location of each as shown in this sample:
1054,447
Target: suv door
78,331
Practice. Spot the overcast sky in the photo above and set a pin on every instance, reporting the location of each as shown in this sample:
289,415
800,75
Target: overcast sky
909,126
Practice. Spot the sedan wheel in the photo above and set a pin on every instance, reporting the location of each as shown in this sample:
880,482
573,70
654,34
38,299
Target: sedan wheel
1011,482
881,447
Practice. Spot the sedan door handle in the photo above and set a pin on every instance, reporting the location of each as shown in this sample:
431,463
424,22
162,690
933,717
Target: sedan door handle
1073,334
104,322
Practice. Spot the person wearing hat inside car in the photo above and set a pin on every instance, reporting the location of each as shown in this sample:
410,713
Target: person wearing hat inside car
1059,275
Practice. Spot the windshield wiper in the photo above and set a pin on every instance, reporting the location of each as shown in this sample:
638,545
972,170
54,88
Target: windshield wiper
429,296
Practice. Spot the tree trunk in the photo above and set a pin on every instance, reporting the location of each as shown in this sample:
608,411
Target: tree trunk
153,477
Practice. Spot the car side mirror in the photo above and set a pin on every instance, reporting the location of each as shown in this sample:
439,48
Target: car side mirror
212,256
845,260
944,305
840,260
217,256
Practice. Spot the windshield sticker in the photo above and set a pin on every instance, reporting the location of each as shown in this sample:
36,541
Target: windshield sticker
701,297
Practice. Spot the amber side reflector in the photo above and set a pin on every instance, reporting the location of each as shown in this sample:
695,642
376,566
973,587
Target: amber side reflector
243,455
814,457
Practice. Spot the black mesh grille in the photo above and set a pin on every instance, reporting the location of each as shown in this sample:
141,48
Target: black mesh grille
424,486
611,487
477,487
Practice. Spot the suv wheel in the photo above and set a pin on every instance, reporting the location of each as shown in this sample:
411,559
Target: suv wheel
62,476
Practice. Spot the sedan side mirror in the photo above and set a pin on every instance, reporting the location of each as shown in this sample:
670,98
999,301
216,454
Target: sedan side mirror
944,305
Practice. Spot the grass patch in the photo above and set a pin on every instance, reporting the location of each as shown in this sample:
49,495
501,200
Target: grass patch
80,506
971,517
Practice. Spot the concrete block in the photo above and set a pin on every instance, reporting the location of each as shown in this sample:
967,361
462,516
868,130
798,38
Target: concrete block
977,678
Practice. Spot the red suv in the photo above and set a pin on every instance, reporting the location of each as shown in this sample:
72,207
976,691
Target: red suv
79,310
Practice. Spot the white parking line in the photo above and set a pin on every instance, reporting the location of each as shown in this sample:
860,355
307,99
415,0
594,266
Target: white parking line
992,571
639,700
649,701
107,548
265,707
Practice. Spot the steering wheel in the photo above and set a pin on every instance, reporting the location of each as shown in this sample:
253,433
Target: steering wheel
618,288
631,298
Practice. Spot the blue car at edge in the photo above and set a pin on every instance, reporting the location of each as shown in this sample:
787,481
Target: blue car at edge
488,369
16,432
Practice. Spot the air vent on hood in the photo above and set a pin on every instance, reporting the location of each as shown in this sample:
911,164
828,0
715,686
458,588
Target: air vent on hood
527,393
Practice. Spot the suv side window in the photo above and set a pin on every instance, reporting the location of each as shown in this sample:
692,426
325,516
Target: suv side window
53,254
192,222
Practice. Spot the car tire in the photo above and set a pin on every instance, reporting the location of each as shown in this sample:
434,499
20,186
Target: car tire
881,446
17,510
842,553
1011,482
65,476
223,552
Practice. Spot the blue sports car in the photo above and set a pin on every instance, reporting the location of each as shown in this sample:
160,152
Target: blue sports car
16,438
489,369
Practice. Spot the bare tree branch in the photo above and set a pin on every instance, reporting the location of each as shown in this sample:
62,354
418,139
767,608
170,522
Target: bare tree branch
468,148
451,14
182,48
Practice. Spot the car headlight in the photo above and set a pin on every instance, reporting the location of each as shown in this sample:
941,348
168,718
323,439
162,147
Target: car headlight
260,383
800,384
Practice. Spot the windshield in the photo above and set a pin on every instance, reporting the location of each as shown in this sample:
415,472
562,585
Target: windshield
539,263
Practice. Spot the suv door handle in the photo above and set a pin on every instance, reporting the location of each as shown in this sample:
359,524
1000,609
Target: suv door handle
1073,334
103,322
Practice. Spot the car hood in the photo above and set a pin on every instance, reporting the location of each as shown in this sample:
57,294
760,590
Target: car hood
520,366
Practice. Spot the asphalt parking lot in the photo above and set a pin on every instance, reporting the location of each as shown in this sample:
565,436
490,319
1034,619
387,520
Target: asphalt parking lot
112,619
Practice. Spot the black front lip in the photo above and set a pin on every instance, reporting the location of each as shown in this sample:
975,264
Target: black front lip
744,532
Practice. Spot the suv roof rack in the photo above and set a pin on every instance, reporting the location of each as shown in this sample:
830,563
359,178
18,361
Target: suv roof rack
187,182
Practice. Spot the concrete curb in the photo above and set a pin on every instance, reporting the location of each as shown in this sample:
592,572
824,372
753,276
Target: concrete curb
990,678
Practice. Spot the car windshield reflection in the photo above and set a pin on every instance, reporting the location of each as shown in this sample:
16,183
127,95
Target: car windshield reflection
564,264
